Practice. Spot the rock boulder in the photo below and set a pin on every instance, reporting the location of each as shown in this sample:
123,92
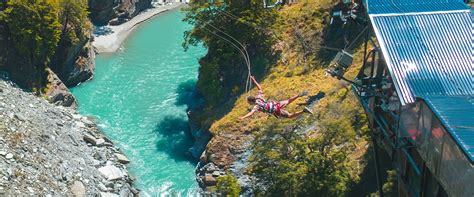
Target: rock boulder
209,180
58,93
78,189
101,11
122,159
111,172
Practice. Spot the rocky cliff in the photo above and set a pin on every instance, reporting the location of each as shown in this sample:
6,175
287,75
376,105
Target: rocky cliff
60,55
57,92
104,11
49,150
74,63
76,67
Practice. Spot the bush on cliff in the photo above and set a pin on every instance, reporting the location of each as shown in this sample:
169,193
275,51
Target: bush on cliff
227,186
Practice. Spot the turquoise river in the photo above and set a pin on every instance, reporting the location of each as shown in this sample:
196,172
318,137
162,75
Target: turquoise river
139,96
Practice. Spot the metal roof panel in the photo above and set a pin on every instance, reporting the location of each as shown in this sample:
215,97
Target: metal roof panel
457,114
410,6
428,54
428,46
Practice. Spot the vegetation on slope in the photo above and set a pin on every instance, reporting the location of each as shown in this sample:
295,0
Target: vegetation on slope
320,154
75,28
33,30
227,185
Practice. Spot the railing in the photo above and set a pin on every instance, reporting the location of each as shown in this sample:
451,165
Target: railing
388,129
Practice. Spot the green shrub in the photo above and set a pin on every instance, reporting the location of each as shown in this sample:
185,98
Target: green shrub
227,185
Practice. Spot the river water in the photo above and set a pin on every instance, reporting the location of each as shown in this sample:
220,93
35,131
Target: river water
139,96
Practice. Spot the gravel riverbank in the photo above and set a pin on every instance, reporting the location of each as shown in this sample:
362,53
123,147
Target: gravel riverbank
50,150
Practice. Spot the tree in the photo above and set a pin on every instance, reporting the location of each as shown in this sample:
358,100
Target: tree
277,161
287,162
32,29
327,159
290,164
227,186
246,21
74,19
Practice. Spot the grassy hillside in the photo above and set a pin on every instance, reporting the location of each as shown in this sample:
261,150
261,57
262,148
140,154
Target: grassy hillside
325,153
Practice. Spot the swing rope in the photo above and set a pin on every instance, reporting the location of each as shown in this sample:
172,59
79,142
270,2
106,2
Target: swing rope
247,83
244,52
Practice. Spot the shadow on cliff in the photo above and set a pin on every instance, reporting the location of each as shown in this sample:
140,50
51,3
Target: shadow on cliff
175,138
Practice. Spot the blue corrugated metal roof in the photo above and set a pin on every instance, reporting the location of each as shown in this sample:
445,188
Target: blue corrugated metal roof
428,53
457,115
408,6
428,46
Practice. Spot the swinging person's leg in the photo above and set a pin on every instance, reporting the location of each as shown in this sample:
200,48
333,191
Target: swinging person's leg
294,115
290,100
284,103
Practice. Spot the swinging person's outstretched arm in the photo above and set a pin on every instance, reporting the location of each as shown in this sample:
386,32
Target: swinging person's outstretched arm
256,83
249,114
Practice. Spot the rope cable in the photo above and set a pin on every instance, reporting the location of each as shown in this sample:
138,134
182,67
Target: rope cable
247,59
243,52
248,82
241,45
236,47
357,38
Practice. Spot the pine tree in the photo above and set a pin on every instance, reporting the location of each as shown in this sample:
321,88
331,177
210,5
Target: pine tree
33,27
73,17
75,30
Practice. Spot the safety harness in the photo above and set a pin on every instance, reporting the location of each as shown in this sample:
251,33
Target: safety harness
270,107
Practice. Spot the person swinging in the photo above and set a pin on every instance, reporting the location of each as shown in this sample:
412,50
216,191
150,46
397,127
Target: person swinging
275,108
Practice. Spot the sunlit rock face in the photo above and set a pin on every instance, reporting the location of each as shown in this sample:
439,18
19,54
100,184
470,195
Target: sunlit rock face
104,12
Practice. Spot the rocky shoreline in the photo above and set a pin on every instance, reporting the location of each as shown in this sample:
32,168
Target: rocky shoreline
51,150
47,148
208,170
